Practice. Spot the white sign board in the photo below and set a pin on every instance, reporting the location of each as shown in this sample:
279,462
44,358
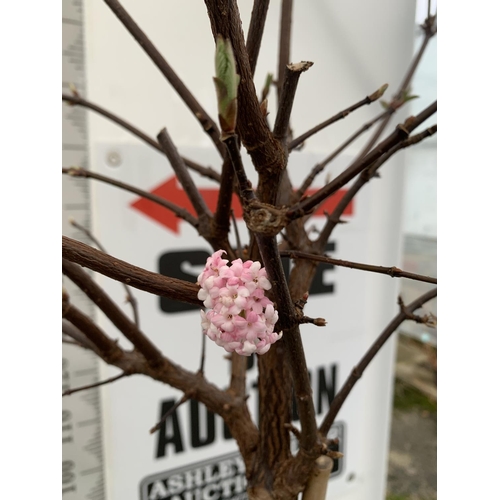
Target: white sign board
191,442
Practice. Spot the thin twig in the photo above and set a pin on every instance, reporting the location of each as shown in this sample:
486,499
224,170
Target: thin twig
107,349
76,100
183,175
284,42
102,300
181,401
393,272
180,212
335,118
72,331
221,225
117,269
209,126
401,133
186,396
239,248
321,166
80,101
363,179
255,31
315,321
201,370
399,98
245,187
128,292
97,384
73,342
290,82
358,370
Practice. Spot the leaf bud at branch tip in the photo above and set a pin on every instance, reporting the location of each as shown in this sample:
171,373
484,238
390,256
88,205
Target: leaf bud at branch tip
226,85
378,93
267,86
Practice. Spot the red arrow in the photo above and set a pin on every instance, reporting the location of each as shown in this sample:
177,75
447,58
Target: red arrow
171,191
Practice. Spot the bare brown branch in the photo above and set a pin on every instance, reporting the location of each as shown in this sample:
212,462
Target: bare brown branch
180,402
180,212
238,375
124,272
255,31
97,384
363,179
293,343
128,292
321,166
79,101
399,99
72,331
221,220
393,272
106,348
209,126
186,181
401,133
287,95
102,300
335,118
284,42
358,370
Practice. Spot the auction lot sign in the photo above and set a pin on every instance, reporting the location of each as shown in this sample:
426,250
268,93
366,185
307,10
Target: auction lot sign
192,456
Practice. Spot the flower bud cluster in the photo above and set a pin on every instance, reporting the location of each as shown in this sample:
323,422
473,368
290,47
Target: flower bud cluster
239,316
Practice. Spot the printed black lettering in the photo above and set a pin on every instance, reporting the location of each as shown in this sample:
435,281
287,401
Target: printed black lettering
197,441
210,492
193,495
173,435
171,264
158,491
174,264
318,285
175,484
210,474
227,432
193,478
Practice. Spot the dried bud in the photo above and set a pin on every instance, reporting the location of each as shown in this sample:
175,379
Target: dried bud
320,321
263,108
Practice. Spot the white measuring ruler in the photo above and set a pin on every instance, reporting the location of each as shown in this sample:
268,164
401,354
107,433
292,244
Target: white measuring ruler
82,454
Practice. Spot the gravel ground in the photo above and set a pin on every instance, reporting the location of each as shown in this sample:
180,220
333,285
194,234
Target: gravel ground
412,458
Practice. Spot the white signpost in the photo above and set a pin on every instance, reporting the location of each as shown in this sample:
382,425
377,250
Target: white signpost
192,457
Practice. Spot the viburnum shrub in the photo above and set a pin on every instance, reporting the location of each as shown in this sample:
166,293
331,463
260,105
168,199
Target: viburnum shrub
240,318
236,292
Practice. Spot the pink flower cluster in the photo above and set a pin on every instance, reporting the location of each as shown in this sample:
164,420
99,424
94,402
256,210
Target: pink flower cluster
239,316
